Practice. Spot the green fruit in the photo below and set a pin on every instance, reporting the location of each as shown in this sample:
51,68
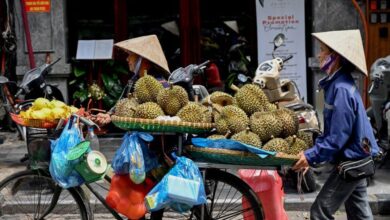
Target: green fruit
147,88
172,99
231,118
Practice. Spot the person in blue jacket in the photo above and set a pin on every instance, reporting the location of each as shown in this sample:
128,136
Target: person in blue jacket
347,135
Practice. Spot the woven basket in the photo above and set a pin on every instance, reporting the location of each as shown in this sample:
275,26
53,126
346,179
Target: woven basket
36,123
153,125
216,155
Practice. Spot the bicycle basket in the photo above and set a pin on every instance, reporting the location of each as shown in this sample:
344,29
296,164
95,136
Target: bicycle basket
217,155
36,123
153,125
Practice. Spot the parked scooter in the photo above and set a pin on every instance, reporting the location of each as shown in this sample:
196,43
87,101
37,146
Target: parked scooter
32,86
184,78
379,111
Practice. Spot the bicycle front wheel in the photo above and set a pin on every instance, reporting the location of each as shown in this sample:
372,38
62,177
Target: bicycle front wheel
228,198
33,194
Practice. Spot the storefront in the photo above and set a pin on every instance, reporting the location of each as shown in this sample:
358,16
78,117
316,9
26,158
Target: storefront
190,31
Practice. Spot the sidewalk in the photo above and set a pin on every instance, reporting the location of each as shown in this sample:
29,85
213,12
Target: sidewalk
12,150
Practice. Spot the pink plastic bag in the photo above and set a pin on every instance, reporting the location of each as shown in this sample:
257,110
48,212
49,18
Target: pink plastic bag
268,186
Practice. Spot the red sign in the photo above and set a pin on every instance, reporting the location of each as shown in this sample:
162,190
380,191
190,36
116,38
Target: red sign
38,5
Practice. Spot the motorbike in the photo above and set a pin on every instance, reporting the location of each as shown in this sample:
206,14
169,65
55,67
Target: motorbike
379,111
184,77
32,86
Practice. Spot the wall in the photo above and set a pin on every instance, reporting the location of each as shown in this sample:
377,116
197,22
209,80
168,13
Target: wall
47,35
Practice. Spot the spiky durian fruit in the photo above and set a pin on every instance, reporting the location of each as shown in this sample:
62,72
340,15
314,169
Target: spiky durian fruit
149,110
251,99
247,137
219,136
147,88
194,112
269,107
126,106
289,120
216,137
231,118
296,145
307,137
276,144
172,99
265,125
220,98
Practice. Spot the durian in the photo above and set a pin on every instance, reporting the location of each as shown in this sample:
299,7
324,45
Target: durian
307,137
147,88
220,98
251,99
296,145
194,112
276,144
149,110
126,107
265,125
219,136
247,137
172,99
231,118
289,120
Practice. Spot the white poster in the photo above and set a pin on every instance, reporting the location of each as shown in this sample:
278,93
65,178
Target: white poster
287,17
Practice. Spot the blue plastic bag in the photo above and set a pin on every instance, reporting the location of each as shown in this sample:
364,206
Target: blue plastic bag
61,169
181,188
230,145
133,156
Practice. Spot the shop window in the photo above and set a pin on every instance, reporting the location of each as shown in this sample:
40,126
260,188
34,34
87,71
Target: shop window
227,35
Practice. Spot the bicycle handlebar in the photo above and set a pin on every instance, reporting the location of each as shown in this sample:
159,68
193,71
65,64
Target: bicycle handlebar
86,121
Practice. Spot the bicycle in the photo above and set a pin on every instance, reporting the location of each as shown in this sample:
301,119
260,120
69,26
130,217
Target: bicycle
224,190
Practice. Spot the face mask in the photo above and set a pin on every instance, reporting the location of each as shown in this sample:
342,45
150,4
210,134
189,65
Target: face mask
325,66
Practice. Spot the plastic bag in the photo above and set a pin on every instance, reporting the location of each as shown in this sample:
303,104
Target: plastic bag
230,145
61,169
127,197
133,157
181,188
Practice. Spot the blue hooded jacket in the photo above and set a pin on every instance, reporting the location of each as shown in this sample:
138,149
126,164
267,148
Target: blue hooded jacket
346,124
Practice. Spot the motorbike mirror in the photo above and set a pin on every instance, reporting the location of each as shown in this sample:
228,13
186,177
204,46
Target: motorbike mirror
279,40
3,79
242,77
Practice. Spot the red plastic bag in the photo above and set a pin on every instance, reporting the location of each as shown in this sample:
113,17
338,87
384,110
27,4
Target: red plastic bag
127,197
268,186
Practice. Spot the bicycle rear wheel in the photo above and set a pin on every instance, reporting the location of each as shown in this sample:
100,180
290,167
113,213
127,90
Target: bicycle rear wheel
228,197
32,194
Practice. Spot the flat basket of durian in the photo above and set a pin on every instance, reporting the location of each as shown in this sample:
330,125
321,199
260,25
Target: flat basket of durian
155,125
44,114
236,157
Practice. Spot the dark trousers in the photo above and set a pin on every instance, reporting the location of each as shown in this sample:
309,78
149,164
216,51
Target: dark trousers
337,191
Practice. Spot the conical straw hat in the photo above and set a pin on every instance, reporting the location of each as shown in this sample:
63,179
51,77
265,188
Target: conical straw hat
347,43
147,47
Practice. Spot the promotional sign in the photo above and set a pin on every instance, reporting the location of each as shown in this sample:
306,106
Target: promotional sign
37,5
286,17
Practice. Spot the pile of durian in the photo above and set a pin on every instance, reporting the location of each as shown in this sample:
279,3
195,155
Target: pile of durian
151,100
247,117
250,118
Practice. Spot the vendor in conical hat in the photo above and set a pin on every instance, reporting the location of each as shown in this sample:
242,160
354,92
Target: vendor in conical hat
145,53
347,135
